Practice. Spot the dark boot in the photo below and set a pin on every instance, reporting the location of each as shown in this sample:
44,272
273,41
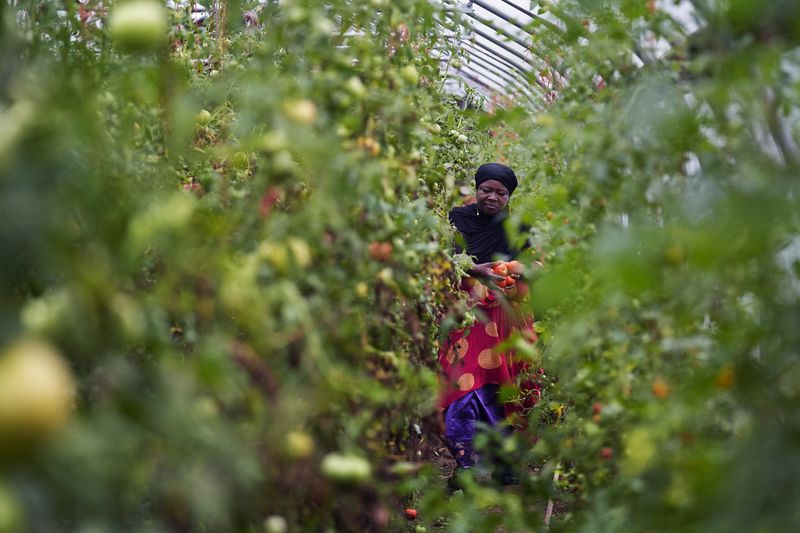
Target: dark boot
455,481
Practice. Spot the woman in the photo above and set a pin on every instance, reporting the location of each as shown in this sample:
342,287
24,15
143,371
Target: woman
472,370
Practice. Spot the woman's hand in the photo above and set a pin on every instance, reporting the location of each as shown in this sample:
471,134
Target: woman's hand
484,270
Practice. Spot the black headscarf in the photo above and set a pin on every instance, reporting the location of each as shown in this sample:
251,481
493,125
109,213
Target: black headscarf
484,235
496,171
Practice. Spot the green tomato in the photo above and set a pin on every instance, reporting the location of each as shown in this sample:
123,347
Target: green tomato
300,251
48,315
240,160
277,255
283,161
362,290
276,524
409,74
299,444
138,25
296,14
435,129
300,111
345,469
404,468
203,117
356,87
323,25
36,391
274,140
106,99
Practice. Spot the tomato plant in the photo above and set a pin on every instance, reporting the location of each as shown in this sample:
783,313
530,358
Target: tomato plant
226,266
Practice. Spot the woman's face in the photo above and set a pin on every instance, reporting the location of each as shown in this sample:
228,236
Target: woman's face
492,197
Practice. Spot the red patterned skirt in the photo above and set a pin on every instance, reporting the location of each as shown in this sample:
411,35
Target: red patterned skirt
469,358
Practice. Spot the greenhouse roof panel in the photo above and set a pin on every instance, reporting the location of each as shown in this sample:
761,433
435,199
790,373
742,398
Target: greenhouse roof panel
496,45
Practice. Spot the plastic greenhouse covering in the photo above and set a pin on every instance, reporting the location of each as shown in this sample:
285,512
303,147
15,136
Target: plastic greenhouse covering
497,58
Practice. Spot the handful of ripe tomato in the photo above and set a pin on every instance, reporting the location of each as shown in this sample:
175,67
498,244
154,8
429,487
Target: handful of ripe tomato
510,271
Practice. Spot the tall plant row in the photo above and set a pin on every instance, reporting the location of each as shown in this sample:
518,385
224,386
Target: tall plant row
226,266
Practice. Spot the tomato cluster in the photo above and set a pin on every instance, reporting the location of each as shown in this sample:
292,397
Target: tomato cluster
511,284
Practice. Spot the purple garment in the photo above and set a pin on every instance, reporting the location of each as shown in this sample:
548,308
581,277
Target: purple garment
462,418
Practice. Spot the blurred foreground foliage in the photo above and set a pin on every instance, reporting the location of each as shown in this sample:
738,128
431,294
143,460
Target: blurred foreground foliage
235,237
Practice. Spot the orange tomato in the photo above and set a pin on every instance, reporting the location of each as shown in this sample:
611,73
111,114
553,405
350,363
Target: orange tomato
726,378
514,267
522,290
500,269
660,388
411,514
380,251
510,282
